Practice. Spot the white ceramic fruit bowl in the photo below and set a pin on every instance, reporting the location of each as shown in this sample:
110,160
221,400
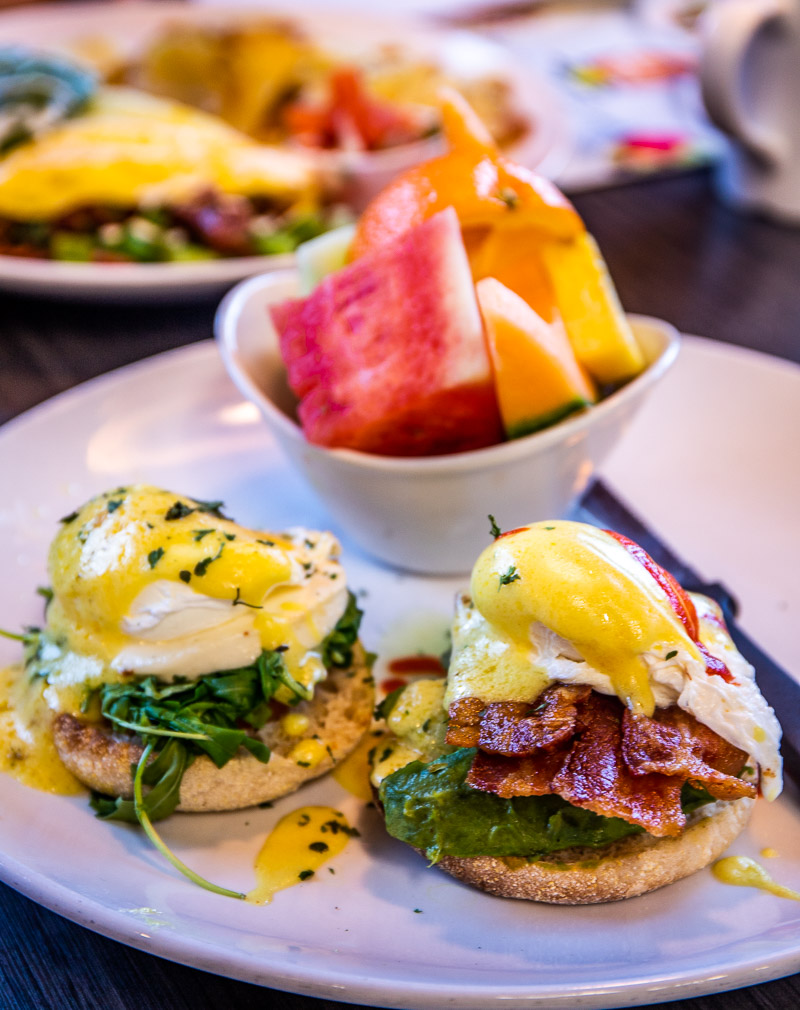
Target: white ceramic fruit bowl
429,514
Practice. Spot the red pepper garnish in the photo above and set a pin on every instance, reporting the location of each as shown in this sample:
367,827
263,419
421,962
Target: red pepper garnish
508,533
350,117
680,602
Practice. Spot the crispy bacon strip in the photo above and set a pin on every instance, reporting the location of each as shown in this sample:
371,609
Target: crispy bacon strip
596,755
517,729
464,725
515,776
594,775
673,742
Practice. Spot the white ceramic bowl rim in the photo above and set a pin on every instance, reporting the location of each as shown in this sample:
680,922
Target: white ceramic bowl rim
231,307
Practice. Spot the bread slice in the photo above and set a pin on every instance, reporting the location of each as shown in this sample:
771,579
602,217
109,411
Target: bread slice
633,865
339,714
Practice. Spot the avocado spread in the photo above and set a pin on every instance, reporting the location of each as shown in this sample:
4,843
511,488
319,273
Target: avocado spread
431,807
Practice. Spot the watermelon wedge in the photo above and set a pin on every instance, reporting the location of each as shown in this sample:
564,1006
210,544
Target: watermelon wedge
388,355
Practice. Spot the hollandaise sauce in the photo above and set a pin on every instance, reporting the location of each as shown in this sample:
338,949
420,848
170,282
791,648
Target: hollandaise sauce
149,582
27,752
298,845
352,774
746,872
582,584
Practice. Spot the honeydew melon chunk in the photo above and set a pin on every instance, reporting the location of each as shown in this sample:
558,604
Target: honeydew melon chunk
587,301
323,255
537,377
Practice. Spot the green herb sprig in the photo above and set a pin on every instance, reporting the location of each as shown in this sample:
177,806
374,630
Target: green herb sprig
512,575
180,720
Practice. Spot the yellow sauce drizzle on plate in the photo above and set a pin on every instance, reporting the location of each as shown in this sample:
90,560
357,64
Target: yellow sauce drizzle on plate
746,872
352,774
27,751
298,845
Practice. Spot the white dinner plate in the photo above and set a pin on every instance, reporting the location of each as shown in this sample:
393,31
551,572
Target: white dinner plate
708,460
463,55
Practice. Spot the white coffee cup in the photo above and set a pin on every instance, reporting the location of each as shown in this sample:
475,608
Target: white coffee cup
750,76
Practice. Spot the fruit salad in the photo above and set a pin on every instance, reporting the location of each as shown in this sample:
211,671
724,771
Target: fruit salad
469,305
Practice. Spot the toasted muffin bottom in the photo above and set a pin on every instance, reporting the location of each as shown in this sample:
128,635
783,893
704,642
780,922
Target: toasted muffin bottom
631,866
339,714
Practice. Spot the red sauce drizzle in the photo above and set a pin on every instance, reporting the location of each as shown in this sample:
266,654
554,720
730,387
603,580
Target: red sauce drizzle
411,666
417,664
715,666
680,602
392,684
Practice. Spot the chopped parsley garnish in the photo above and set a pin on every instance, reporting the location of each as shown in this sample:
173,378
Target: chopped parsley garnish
239,602
494,529
179,510
305,874
266,543
199,534
671,654
336,826
201,567
184,576
70,518
155,556
319,846
508,577
114,504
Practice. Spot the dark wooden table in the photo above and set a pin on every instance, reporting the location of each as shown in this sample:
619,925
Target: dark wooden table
673,251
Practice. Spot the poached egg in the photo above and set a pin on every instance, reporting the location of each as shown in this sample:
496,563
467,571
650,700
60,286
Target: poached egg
146,582
565,601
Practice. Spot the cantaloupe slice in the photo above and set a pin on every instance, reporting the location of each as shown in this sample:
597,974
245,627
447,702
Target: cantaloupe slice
537,377
596,325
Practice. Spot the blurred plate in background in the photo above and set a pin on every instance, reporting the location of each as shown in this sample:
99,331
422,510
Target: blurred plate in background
120,31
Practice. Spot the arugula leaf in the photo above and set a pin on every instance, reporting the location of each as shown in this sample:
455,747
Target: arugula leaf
180,719
164,774
143,817
337,649
384,708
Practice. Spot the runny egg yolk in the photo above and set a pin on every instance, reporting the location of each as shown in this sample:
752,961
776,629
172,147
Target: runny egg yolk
144,576
582,584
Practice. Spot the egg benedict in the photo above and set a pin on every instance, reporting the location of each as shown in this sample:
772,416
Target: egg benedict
130,176
188,663
598,734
